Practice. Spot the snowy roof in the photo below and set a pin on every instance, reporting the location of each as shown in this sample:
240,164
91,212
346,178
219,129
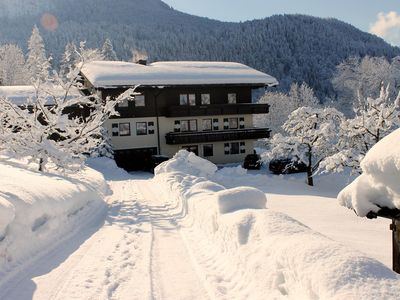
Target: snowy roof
117,73
20,94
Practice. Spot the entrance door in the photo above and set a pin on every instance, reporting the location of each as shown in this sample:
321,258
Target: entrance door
192,148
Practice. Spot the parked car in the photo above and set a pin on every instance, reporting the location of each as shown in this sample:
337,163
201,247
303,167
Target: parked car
252,161
286,166
155,160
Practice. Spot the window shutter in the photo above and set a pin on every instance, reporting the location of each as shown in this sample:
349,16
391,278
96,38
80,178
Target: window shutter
177,127
115,129
242,147
226,148
215,124
241,123
226,123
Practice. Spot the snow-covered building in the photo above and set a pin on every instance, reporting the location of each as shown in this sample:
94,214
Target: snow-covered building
204,107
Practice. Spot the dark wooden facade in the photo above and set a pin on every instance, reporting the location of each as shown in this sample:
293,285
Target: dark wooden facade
165,101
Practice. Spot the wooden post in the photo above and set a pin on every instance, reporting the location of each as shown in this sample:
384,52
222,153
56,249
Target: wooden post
395,227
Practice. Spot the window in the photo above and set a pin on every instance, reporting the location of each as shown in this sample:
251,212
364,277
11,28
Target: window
192,99
183,99
207,124
233,123
139,100
141,128
215,124
115,129
188,125
232,98
123,103
241,123
231,148
205,99
208,150
150,127
124,129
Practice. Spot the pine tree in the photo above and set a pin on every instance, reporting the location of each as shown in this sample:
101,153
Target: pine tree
12,65
108,50
37,63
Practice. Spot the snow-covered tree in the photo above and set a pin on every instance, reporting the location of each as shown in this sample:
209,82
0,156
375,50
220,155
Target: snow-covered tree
69,59
356,77
61,127
281,105
12,65
311,136
374,119
108,50
37,63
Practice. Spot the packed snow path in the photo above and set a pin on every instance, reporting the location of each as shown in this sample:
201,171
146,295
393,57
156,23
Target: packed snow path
135,251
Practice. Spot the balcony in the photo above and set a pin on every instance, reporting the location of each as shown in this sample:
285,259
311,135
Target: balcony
216,109
176,138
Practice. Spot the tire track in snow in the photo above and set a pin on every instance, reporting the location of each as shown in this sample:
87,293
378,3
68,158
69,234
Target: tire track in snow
174,275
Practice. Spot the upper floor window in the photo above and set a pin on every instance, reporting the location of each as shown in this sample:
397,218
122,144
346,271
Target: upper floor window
232,98
187,99
139,100
205,99
124,129
183,99
207,124
185,125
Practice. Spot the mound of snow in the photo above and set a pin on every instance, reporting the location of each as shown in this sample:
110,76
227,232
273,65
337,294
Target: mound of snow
240,198
37,209
270,254
188,163
378,186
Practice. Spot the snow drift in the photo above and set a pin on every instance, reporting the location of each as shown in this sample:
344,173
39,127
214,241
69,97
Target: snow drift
378,186
37,209
270,254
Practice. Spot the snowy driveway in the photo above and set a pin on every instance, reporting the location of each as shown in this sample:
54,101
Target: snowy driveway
134,252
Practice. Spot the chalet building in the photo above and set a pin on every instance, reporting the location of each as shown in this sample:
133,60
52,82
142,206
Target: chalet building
204,107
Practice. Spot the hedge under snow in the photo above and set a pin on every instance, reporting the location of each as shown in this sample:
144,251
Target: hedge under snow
379,184
38,209
270,254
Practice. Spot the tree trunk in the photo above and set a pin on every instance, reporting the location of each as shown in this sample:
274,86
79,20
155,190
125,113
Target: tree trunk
40,164
310,180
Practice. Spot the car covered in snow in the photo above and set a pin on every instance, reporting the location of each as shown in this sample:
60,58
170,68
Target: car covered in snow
252,162
286,166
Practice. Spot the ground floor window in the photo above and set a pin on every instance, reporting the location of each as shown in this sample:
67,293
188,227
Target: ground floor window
141,128
234,148
192,148
208,150
121,129
207,124
188,125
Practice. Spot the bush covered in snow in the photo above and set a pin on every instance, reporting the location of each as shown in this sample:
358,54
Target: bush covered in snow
378,186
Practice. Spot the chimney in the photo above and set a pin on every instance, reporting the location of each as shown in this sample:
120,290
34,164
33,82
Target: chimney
142,62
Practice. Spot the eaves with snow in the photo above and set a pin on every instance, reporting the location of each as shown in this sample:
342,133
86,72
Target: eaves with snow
102,74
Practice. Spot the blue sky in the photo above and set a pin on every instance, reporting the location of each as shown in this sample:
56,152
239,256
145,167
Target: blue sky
363,14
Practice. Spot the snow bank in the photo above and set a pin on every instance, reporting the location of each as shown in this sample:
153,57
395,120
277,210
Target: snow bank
188,163
270,254
378,186
240,198
37,209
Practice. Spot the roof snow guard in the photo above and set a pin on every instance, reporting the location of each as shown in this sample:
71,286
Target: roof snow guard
117,73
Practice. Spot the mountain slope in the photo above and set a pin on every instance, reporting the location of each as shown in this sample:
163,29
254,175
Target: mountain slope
290,47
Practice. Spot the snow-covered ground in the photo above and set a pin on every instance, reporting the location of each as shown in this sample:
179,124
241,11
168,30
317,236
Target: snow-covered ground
185,235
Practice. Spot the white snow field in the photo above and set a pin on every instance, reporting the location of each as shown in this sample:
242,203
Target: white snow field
195,232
